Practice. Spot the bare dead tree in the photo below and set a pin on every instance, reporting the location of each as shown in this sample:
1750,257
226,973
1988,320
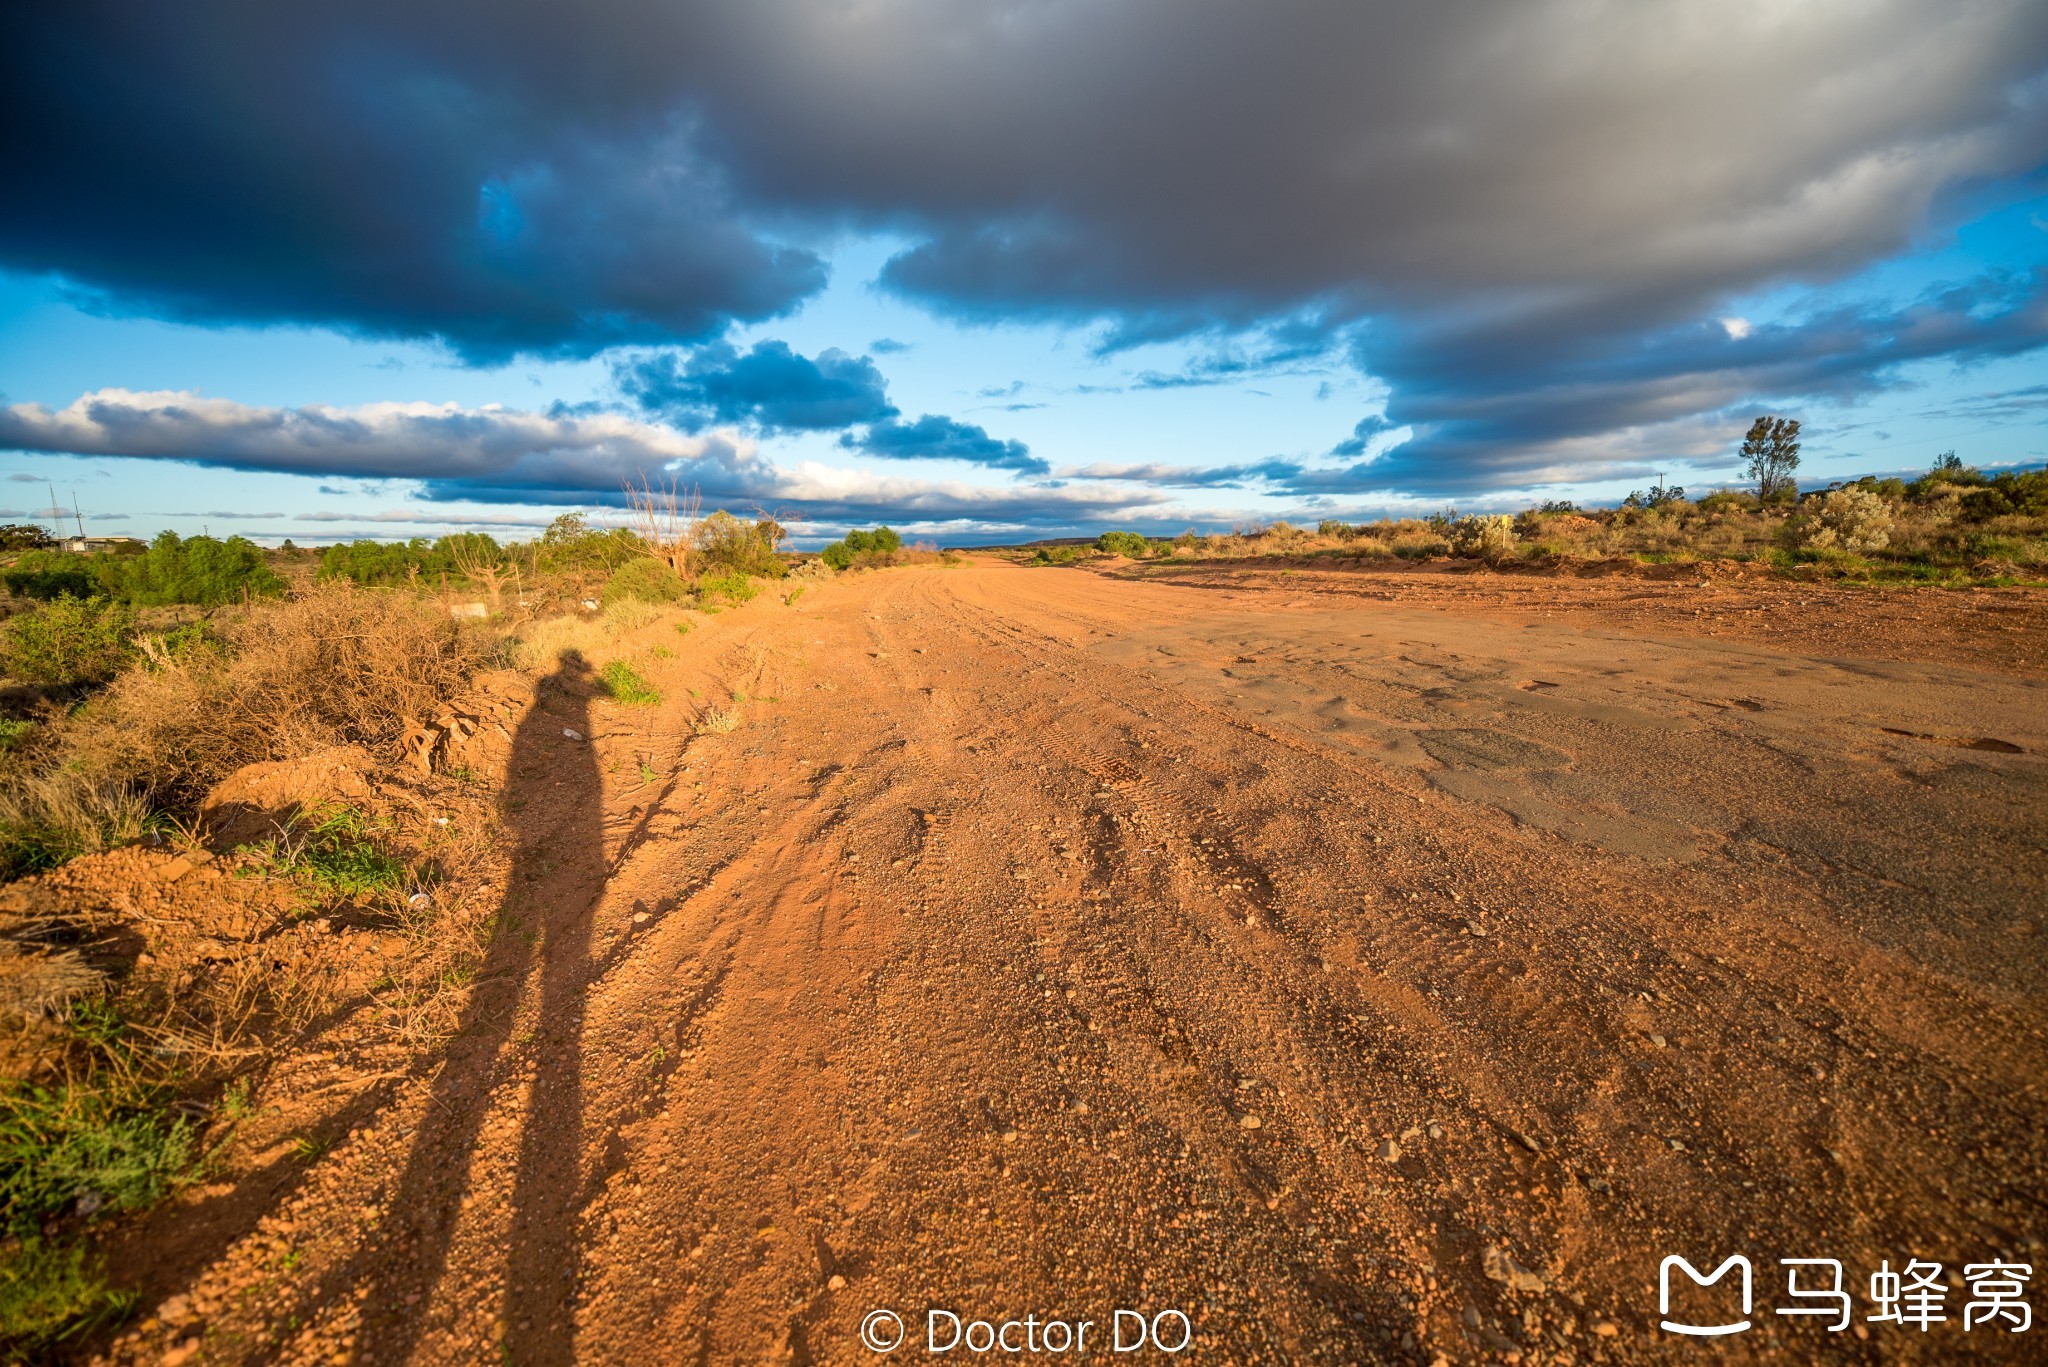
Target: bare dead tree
479,567
665,519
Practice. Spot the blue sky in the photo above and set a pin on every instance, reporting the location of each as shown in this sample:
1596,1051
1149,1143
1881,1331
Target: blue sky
1000,272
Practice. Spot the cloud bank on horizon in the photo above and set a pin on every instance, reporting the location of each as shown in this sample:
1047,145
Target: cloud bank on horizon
1562,239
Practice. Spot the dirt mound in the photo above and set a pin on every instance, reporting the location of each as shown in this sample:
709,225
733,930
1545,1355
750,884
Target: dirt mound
259,800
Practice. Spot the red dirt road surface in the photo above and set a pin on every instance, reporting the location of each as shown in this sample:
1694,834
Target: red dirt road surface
1367,968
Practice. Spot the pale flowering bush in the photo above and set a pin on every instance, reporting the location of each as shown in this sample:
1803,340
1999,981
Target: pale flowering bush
1853,520
1488,538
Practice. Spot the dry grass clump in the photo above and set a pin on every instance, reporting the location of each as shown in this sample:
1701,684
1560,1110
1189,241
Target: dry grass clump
337,665
55,815
543,644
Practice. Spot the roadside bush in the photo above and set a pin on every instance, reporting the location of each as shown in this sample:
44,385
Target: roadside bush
1488,538
1129,544
733,586
644,580
338,665
68,641
725,545
1852,519
862,548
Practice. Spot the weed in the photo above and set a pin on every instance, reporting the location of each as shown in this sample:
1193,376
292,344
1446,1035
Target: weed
625,684
718,721
789,599
53,1292
307,1149
739,695
733,586
647,773
15,733
50,818
338,857
87,1148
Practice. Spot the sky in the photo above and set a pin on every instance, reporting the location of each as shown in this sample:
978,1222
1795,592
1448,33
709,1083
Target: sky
993,272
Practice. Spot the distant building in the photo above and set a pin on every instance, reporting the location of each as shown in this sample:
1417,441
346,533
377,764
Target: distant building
86,545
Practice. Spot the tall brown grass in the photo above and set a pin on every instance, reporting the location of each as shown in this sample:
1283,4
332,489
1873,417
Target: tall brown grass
336,665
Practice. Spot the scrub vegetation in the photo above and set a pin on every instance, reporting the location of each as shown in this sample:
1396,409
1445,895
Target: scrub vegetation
135,682
1954,525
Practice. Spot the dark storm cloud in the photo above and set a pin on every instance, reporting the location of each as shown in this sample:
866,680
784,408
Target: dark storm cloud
498,177
1447,182
769,387
933,437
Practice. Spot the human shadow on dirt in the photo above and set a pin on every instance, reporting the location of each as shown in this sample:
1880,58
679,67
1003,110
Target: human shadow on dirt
539,951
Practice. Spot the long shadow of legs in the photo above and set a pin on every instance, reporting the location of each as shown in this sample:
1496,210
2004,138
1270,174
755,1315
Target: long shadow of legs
553,809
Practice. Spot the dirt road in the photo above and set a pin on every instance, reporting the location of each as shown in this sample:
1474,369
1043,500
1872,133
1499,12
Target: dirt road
1364,977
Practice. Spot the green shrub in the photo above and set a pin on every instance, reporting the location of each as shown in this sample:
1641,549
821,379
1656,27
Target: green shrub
1129,544
862,548
50,574
644,580
375,562
725,545
625,684
68,641
733,586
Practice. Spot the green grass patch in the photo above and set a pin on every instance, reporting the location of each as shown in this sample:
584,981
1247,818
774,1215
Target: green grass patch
52,1292
625,684
15,733
338,856
88,1148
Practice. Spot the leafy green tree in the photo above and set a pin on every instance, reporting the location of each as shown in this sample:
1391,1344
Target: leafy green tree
1771,450
375,562
572,545
24,536
201,570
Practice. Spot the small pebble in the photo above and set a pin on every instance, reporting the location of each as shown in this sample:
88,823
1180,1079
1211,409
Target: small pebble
1249,1122
1390,1151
